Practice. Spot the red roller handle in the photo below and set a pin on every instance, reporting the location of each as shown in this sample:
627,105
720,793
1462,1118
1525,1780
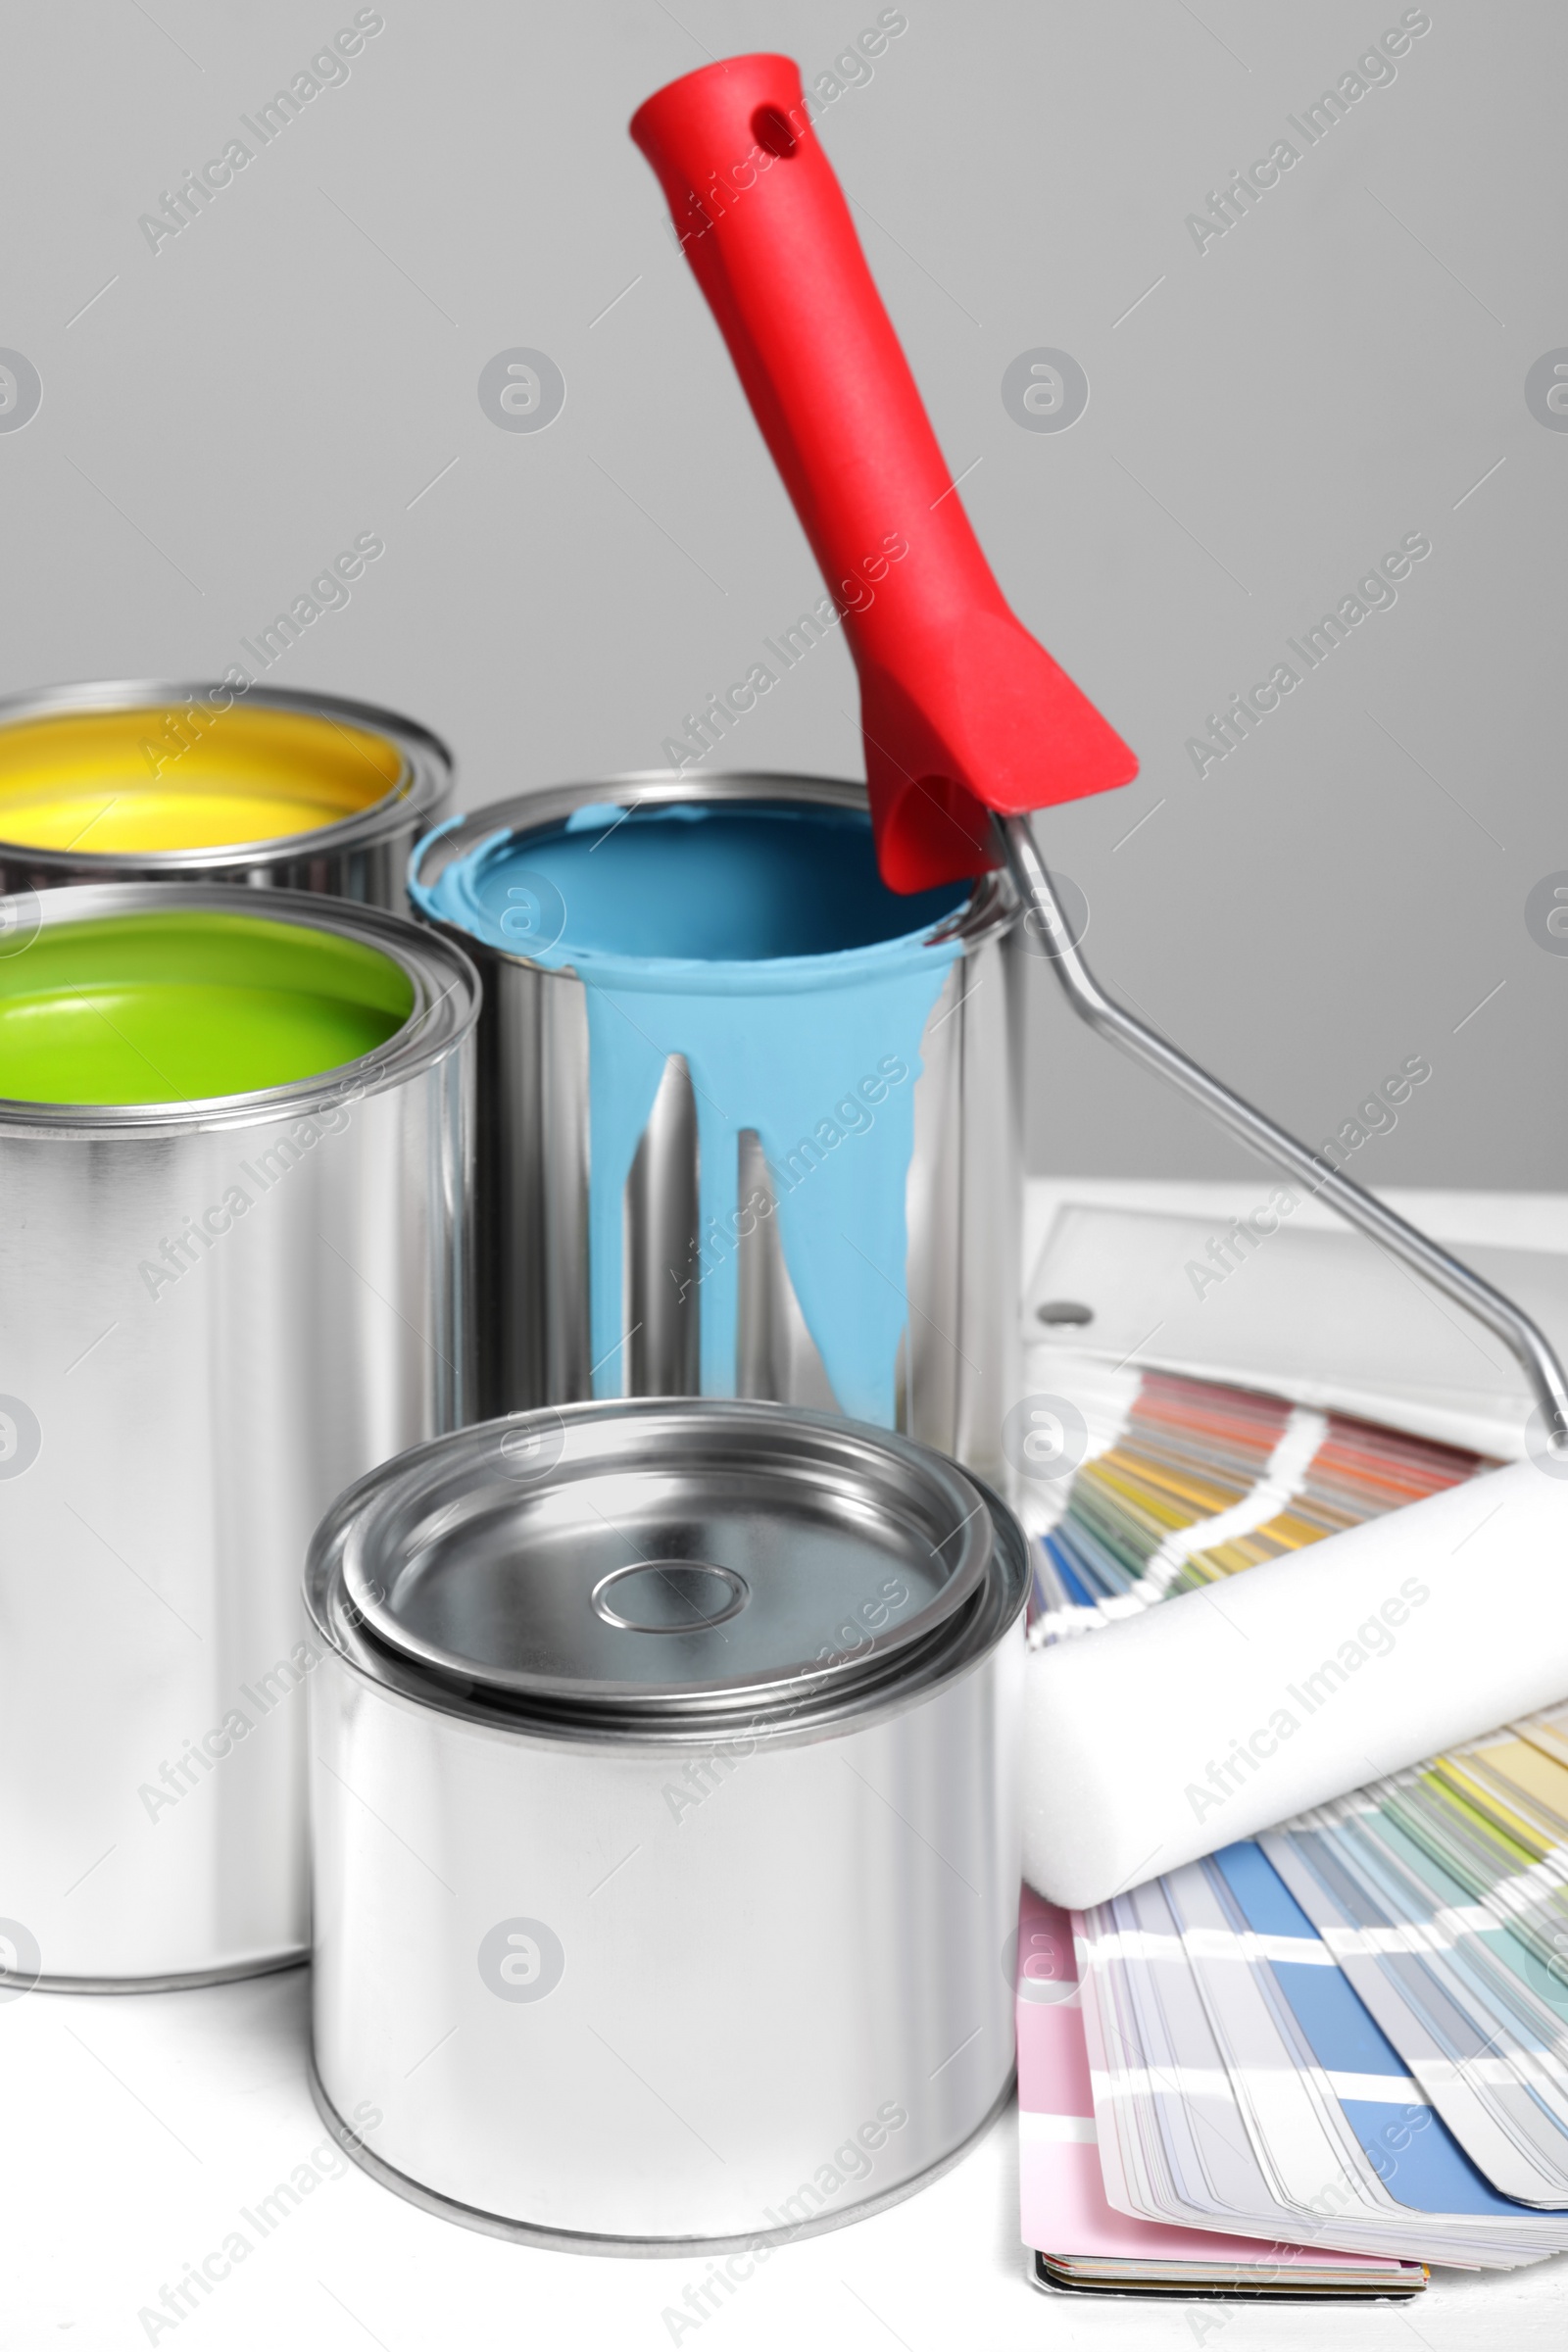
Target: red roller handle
962,710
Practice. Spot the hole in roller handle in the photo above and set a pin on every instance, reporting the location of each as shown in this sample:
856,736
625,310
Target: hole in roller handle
770,130
1381,1225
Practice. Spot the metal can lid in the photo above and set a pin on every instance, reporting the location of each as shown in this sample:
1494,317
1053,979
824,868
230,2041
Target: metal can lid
664,1556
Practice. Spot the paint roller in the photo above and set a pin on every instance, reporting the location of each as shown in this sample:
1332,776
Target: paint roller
970,726
1227,1709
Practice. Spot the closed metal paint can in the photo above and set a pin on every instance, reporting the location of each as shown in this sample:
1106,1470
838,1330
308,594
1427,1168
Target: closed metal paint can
665,1831
220,1303
678,1258
216,781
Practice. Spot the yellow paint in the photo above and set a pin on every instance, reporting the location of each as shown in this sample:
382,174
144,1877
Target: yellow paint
185,777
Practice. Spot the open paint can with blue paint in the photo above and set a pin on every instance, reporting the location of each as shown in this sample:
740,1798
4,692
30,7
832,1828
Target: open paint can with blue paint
748,1119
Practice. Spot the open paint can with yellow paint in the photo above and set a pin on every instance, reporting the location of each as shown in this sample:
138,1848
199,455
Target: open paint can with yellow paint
216,782
234,1154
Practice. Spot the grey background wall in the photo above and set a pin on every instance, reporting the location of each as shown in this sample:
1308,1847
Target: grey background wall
1270,411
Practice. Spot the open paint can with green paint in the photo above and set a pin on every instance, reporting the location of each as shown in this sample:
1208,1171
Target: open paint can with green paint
747,1118
216,781
235,1142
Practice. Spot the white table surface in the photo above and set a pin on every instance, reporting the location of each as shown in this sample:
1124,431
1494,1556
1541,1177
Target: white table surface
134,2130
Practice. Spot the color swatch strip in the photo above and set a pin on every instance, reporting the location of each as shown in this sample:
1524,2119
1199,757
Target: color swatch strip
1203,1482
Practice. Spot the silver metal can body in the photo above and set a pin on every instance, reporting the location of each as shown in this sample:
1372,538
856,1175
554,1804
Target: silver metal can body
170,1439
663,1988
956,1366
363,855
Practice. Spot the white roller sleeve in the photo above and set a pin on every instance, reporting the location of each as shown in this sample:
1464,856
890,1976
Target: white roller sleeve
1221,1712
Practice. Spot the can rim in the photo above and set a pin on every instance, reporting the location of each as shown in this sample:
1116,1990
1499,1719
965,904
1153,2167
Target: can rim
820,1454
447,995
424,784
346,1601
489,2224
989,908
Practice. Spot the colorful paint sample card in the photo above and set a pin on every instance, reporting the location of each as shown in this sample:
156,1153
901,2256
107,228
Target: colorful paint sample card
1202,1482
1078,2240
1240,2085
1355,2027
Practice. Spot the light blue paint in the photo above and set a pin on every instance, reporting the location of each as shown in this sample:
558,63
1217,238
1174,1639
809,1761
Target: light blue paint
760,943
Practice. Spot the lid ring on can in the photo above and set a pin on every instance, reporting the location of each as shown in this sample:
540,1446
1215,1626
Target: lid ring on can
669,1596
673,1558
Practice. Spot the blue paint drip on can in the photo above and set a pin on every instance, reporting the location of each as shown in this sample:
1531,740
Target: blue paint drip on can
757,941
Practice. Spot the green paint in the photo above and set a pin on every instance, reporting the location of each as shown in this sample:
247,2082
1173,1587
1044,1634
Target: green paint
187,1005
